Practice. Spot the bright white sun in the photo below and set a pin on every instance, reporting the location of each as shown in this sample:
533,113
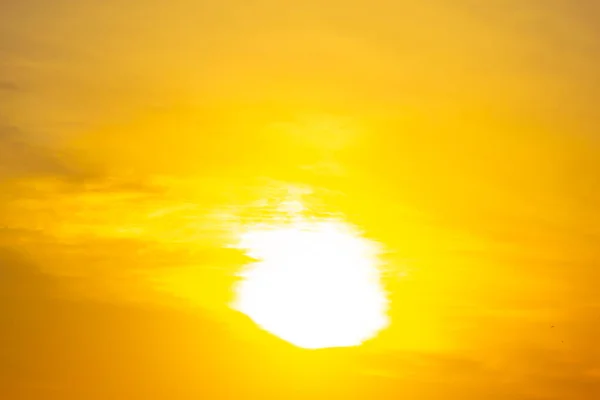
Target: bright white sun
315,284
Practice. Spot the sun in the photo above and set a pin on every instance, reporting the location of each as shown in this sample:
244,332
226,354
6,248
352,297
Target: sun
315,283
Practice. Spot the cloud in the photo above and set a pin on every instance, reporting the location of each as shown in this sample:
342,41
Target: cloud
60,346
8,86
21,157
19,278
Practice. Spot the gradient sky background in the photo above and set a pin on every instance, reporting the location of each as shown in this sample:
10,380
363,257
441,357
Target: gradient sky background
462,135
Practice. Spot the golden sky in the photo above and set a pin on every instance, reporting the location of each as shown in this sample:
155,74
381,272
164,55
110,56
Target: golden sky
136,137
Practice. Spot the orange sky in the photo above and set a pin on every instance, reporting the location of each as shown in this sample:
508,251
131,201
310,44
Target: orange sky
461,135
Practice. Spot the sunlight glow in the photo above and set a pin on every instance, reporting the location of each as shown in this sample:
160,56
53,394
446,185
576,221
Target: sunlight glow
315,284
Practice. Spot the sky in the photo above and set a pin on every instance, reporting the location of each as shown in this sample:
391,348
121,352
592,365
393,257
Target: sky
460,135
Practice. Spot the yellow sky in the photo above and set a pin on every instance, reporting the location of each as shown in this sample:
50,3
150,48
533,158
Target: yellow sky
460,135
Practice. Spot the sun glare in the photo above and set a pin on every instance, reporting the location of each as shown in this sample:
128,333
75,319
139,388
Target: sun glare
315,284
